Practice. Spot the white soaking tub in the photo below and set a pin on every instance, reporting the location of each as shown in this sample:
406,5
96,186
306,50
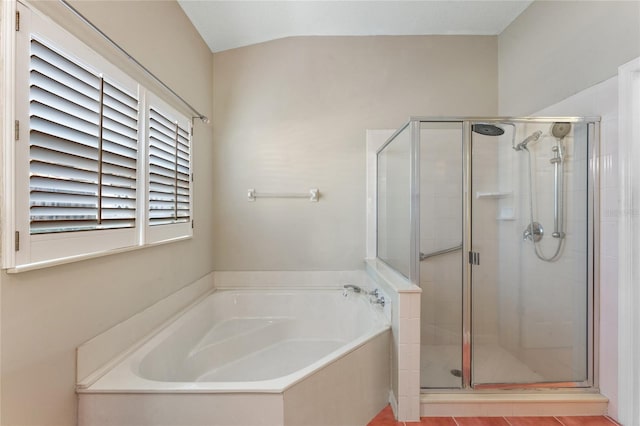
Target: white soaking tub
253,357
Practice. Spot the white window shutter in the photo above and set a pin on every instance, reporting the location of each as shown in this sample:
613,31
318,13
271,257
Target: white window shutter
83,147
119,157
169,169
64,117
95,152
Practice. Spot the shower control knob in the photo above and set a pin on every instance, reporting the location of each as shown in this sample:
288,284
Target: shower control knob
533,232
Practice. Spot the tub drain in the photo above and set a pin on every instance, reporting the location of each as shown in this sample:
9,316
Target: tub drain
456,372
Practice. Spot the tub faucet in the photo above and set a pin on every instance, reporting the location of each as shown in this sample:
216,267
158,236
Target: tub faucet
351,287
378,301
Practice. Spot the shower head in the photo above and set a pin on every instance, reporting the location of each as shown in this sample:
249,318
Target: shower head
487,129
531,138
560,130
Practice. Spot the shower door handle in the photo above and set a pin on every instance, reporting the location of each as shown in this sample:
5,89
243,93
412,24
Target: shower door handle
474,258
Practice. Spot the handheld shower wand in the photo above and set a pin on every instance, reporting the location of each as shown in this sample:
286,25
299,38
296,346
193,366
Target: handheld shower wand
559,131
531,138
534,230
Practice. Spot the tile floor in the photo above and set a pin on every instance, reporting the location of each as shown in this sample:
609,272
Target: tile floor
385,418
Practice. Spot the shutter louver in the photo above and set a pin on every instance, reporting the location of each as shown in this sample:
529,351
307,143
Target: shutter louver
169,171
82,175
119,156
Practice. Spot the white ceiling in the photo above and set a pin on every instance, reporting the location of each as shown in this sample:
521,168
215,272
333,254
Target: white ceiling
229,24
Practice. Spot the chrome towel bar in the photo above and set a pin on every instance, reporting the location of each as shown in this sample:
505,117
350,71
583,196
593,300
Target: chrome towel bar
313,195
426,256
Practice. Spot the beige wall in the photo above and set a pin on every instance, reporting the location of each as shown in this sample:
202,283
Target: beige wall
555,49
291,114
47,313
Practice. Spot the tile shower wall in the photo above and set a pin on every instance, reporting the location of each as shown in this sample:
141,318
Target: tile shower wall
543,304
540,335
509,232
486,185
602,100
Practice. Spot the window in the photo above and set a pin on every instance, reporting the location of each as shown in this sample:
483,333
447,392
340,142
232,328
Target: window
169,172
101,163
83,137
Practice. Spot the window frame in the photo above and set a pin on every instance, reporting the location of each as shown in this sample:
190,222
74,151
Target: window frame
175,231
45,249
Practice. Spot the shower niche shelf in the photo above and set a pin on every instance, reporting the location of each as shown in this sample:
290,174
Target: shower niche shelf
494,195
506,213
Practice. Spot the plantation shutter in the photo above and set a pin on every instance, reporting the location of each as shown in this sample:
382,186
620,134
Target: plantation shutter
169,170
83,147
119,157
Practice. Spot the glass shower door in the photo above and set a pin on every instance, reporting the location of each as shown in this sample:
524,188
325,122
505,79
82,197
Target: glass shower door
441,259
530,295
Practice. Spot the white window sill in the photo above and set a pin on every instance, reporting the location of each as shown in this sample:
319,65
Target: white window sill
71,259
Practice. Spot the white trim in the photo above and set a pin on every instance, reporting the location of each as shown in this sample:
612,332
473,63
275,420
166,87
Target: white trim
7,106
7,43
628,244
76,258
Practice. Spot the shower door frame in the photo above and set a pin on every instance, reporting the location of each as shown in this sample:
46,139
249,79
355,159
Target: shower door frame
593,238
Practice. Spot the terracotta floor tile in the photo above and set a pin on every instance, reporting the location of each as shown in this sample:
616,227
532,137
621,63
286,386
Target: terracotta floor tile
385,418
376,422
585,421
481,421
533,421
435,421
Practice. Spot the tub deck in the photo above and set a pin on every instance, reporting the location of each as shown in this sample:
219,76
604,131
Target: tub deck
253,357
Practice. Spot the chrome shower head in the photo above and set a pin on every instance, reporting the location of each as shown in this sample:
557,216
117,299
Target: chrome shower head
487,129
560,130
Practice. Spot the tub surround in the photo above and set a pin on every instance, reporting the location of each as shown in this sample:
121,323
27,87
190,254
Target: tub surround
326,398
291,279
239,340
404,394
97,355
220,385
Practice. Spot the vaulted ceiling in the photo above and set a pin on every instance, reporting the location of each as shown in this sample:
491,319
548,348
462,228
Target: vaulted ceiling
230,24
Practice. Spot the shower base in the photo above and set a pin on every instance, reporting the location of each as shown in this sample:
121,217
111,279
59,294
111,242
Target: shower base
492,364
495,364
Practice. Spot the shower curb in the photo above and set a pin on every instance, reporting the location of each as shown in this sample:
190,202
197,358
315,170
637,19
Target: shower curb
513,404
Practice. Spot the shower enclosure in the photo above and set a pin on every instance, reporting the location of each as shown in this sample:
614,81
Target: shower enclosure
495,219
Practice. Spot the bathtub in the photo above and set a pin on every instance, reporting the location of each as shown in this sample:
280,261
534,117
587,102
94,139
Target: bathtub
253,357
